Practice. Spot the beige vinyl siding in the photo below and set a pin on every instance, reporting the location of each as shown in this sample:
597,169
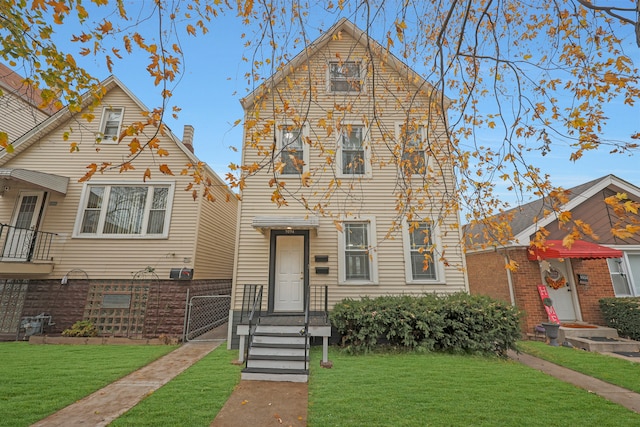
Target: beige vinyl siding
101,257
216,237
18,116
372,196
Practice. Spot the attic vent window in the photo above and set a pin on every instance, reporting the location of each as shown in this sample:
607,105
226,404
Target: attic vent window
345,76
111,121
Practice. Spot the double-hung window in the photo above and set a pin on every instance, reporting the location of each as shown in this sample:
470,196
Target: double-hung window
357,263
111,121
293,155
421,261
125,210
352,151
412,142
345,76
625,274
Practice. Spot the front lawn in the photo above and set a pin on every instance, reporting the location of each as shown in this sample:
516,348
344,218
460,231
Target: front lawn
193,398
436,389
38,380
620,372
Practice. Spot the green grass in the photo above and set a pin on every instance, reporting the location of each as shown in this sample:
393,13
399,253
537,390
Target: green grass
446,390
193,398
616,371
37,380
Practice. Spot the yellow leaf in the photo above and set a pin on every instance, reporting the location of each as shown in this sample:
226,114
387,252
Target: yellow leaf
564,216
191,30
306,179
162,152
147,175
165,169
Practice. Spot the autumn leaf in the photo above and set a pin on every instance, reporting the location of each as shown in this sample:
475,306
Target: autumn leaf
165,169
147,175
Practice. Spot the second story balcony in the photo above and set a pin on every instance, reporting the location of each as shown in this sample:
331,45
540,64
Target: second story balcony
25,251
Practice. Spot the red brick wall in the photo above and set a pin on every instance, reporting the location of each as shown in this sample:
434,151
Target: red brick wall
165,309
525,282
487,275
599,287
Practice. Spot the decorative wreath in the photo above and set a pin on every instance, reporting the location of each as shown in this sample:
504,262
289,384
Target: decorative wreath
554,278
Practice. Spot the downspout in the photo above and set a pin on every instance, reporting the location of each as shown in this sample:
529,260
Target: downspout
510,282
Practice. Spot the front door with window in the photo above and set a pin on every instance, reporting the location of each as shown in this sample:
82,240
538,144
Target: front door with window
288,290
562,298
25,220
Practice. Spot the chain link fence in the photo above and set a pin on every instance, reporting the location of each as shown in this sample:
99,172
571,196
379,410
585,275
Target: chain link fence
207,315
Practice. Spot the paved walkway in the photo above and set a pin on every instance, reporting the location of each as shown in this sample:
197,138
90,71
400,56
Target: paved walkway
107,404
611,392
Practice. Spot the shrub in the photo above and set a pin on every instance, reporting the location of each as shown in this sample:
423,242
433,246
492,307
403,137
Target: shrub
623,314
459,323
82,328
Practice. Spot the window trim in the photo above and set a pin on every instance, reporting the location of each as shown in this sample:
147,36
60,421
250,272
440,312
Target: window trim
84,197
305,152
108,139
330,79
626,271
421,130
437,263
366,145
373,255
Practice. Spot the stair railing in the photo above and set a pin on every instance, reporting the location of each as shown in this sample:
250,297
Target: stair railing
254,316
307,303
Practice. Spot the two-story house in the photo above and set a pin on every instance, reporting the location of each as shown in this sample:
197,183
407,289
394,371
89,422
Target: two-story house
347,179
121,249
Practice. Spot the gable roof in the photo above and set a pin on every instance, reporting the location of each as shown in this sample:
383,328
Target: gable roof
343,25
523,223
65,114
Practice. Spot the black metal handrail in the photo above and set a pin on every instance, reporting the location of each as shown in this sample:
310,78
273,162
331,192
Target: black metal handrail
307,303
256,308
320,301
25,244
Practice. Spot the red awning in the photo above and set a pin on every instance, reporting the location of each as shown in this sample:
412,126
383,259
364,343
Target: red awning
579,249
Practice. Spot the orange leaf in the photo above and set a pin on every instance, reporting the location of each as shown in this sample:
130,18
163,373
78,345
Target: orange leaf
147,175
165,169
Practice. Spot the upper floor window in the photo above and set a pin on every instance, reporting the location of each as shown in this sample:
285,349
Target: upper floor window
422,265
111,121
293,153
352,150
357,264
345,76
125,211
412,140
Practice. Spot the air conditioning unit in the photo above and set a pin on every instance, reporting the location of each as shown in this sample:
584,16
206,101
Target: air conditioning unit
181,273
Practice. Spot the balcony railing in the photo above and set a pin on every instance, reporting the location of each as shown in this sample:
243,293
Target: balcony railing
24,244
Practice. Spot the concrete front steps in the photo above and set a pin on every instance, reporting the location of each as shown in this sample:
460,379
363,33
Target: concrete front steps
599,339
278,353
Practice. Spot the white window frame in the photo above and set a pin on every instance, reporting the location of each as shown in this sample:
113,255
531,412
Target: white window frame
373,256
435,256
84,199
110,139
626,272
281,150
399,137
366,146
353,90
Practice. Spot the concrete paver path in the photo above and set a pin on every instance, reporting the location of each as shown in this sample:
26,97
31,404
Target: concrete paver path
107,404
619,395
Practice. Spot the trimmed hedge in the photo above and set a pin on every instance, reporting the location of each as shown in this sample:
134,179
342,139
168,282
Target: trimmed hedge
458,323
623,314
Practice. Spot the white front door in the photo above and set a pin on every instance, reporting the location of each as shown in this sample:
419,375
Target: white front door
19,240
562,298
289,274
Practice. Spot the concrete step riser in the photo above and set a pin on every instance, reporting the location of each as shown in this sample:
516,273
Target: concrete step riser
601,347
296,378
276,364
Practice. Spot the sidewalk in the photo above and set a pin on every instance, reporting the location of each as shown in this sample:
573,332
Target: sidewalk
107,404
619,395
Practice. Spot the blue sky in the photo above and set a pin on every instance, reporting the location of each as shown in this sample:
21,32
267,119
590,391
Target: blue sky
214,81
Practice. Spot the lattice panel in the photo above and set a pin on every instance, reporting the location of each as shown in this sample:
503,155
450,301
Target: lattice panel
118,309
12,295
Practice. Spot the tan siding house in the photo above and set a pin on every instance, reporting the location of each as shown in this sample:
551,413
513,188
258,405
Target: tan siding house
334,130
575,278
116,230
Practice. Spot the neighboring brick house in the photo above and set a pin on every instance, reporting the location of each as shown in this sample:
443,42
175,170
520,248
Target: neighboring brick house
110,249
575,278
